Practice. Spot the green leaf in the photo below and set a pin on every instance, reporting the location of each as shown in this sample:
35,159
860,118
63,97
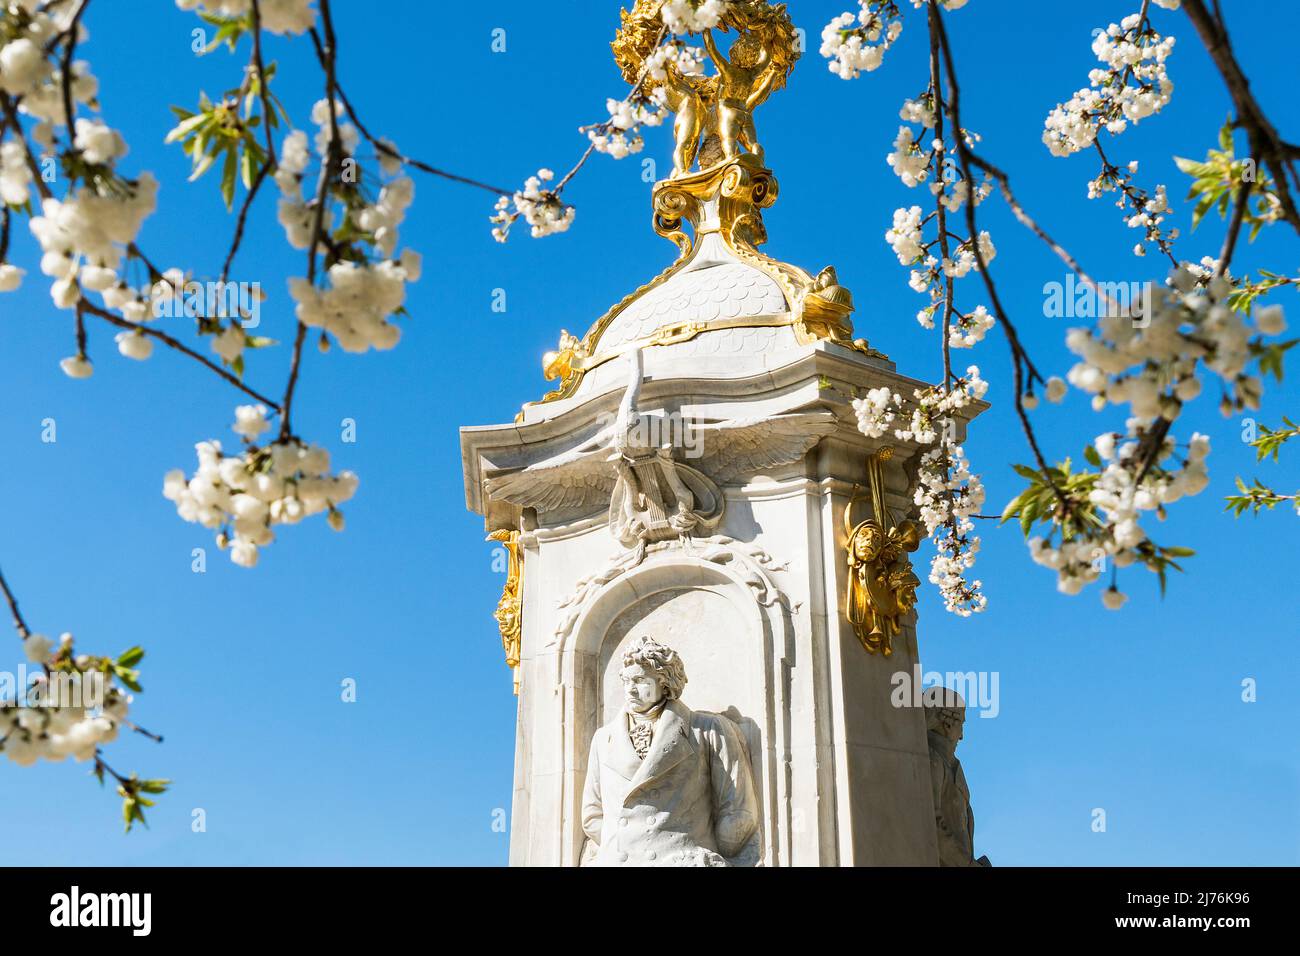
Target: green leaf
202,165
186,126
1201,209
130,657
228,174
129,678
1027,515
1191,167
1225,136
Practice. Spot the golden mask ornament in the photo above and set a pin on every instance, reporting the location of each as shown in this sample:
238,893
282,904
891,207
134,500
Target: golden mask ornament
882,585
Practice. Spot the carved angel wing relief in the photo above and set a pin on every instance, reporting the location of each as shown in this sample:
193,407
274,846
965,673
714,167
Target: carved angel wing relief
578,481
745,446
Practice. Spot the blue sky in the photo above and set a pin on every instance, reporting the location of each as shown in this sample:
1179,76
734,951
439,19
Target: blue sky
1139,713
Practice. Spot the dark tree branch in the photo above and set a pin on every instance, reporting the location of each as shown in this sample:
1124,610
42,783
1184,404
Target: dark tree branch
179,346
19,624
1267,146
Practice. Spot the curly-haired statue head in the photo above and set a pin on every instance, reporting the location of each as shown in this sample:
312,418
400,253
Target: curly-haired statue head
652,673
945,712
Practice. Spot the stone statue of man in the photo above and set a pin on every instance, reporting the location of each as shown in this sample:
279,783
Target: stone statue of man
667,786
945,715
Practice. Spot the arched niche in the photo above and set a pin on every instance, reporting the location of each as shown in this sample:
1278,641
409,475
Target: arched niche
732,629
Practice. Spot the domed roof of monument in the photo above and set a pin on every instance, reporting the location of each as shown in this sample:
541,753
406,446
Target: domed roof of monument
713,288
715,285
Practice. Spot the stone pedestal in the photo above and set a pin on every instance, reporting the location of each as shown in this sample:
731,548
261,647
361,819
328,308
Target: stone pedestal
755,606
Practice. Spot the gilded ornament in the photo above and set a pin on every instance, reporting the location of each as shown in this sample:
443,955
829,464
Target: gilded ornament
882,585
714,131
510,610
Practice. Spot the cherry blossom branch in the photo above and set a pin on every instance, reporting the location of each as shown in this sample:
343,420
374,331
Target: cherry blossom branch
326,53
242,218
940,210
1234,227
388,150
179,346
1137,197
1022,364
69,49
263,88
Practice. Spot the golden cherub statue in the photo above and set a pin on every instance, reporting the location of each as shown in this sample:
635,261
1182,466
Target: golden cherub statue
758,63
686,98
744,81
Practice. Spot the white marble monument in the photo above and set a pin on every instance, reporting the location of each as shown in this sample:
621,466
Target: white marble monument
686,485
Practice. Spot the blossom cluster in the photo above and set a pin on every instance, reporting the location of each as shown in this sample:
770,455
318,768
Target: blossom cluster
358,301
541,208
1148,212
69,709
915,164
241,496
948,493
1152,362
692,16
876,411
82,238
365,289
856,43
676,55
620,135
85,235
1127,484
1133,85
29,73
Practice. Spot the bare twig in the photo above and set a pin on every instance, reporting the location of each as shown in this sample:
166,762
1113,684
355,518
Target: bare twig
1234,227
262,86
19,624
1022,365
941,212
69,50
326,52
179,346
242,219
387,150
